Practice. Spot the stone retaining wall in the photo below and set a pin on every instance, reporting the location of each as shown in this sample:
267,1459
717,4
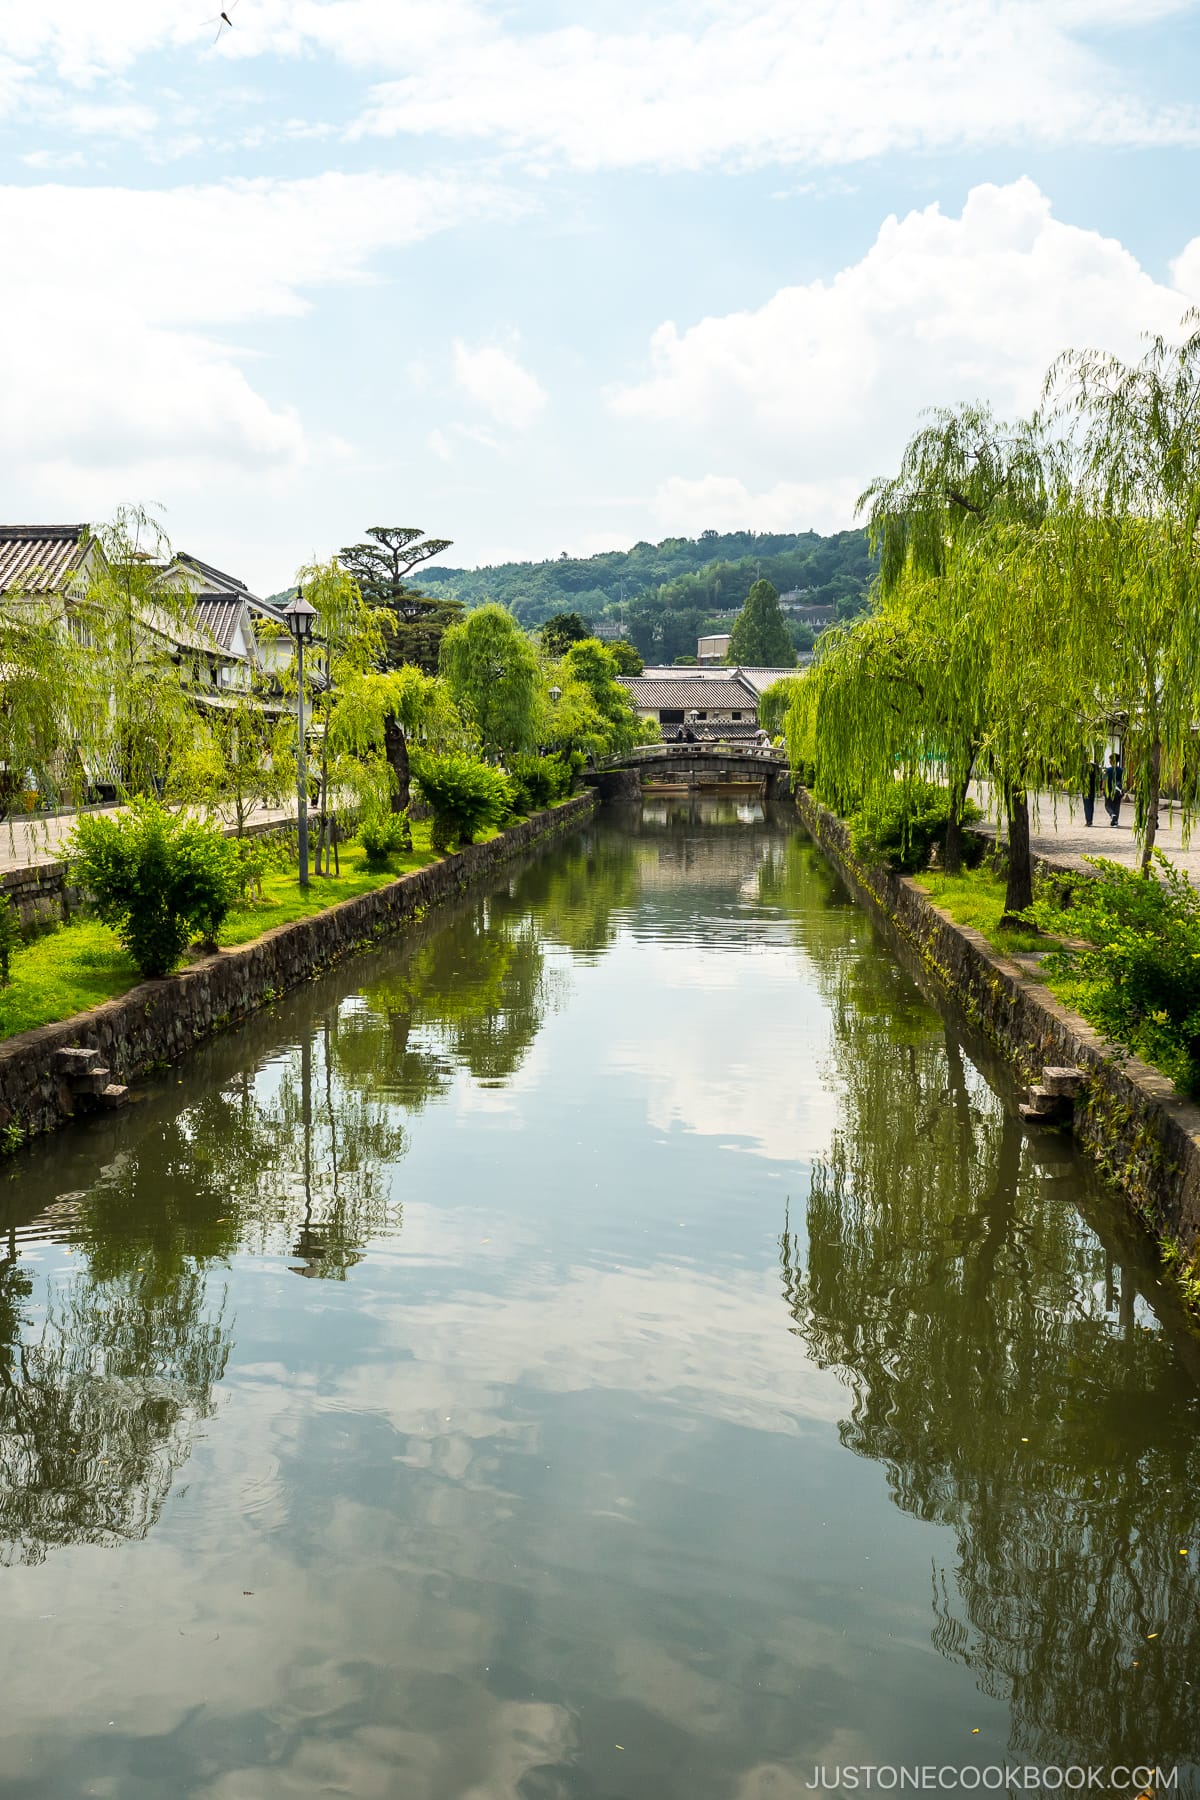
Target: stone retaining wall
1130,1119
159,1021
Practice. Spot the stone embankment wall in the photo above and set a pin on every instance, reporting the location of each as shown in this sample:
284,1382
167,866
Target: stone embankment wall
1132,1121
159,1021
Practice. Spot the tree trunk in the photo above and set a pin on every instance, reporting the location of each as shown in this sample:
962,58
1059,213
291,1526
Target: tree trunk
1018,895
395,748
1152,795
952,849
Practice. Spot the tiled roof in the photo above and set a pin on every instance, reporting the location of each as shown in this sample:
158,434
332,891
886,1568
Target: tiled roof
40,559
705,695
761,679
211,580
220,615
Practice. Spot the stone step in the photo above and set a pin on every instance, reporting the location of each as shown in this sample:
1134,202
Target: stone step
1045,1100
114,1094
91,1081
75,1061
1037,1115
1065,1082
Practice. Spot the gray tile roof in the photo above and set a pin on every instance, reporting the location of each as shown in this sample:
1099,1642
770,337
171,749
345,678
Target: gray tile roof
651,693
220,615
40,559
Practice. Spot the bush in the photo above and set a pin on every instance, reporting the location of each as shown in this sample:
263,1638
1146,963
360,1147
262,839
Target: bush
158,878
905,825
382,835
465,796
1142,960
538,780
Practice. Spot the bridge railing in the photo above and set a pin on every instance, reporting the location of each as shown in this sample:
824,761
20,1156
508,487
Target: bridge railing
648,753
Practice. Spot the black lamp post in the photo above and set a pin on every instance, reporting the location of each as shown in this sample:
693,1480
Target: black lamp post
300,618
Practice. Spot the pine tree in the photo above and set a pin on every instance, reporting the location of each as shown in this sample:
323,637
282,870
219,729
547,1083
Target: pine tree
759,639
416,623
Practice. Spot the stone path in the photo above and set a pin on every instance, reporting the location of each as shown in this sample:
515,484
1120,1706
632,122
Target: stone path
27,843
1057,829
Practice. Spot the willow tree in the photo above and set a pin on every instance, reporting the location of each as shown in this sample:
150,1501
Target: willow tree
50,701
140,631
973,506
1137,437
495,678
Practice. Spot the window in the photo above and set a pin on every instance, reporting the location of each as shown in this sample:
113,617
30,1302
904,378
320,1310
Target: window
735,715
667,717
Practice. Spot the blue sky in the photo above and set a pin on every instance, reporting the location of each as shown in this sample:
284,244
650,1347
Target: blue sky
541,279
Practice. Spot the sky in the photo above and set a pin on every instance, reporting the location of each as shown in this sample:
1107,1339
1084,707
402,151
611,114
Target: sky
539,278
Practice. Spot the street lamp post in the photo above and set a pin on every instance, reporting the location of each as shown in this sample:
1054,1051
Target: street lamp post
300,618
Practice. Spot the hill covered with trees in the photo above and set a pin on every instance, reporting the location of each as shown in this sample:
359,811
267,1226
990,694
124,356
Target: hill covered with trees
663,596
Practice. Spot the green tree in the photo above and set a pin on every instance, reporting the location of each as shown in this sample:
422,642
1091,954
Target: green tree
626,657
140,632
241,755
563,630
495,678
759,638
414,622
592,666
1137,553
53,710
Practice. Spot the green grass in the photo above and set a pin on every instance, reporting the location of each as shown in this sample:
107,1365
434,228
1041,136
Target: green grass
68,971
976,898
82,964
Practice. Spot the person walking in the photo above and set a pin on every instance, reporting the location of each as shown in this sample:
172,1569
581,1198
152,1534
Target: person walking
1089,792
1113,790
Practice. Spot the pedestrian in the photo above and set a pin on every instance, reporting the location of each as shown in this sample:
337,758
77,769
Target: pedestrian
1089,792
1113,790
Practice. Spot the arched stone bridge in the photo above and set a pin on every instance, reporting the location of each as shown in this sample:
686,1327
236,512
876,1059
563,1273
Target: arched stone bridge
621,777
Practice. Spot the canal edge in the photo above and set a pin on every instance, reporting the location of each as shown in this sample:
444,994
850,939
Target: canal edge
1132,1122
158,1022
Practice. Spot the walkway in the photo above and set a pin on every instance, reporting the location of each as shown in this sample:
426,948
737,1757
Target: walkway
1057,829
27,843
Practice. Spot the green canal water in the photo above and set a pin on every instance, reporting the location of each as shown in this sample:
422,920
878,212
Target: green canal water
618,1344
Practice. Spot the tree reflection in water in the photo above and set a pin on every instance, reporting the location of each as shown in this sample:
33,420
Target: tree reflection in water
1004,1374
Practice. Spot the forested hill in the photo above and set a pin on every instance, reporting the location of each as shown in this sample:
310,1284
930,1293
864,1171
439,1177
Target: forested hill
699,581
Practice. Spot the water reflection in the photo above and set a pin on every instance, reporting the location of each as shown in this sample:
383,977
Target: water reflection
1016,1390
531,1489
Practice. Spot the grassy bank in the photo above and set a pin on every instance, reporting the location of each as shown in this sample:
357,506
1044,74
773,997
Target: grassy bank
82,964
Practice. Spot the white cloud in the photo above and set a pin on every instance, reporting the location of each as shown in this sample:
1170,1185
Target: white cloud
792,81
499,384
115,373
727,83
724,503
822,384
440,445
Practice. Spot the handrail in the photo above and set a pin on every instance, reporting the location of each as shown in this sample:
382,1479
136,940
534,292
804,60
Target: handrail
667,752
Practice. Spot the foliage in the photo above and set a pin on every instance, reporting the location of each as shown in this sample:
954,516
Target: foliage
560,632
240,756
465,796
10,937
383,835
775,703
1142,960
904,823
414,623
537,781
494,677
665,595
138,623
626,657
49,700
158,878
594,711
759,639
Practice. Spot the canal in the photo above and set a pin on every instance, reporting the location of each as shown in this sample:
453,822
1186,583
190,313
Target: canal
617,1343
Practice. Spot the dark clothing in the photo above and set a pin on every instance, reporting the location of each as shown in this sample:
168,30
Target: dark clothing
1089,794
1113,792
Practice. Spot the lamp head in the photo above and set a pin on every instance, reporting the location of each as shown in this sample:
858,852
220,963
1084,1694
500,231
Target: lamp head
556,694
301,617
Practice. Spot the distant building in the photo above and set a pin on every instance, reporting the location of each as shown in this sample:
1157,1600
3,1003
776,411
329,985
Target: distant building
695,703
712,649
803,612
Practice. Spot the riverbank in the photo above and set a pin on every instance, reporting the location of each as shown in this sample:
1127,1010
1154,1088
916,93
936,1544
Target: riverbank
157,1022
1132,1121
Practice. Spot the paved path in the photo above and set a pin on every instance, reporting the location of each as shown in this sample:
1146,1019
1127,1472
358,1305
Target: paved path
25,843
1057,829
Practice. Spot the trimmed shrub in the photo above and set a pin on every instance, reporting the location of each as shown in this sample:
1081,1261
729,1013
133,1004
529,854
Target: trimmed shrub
464,795
1142,960
541,780
382,836
906,824
158,878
